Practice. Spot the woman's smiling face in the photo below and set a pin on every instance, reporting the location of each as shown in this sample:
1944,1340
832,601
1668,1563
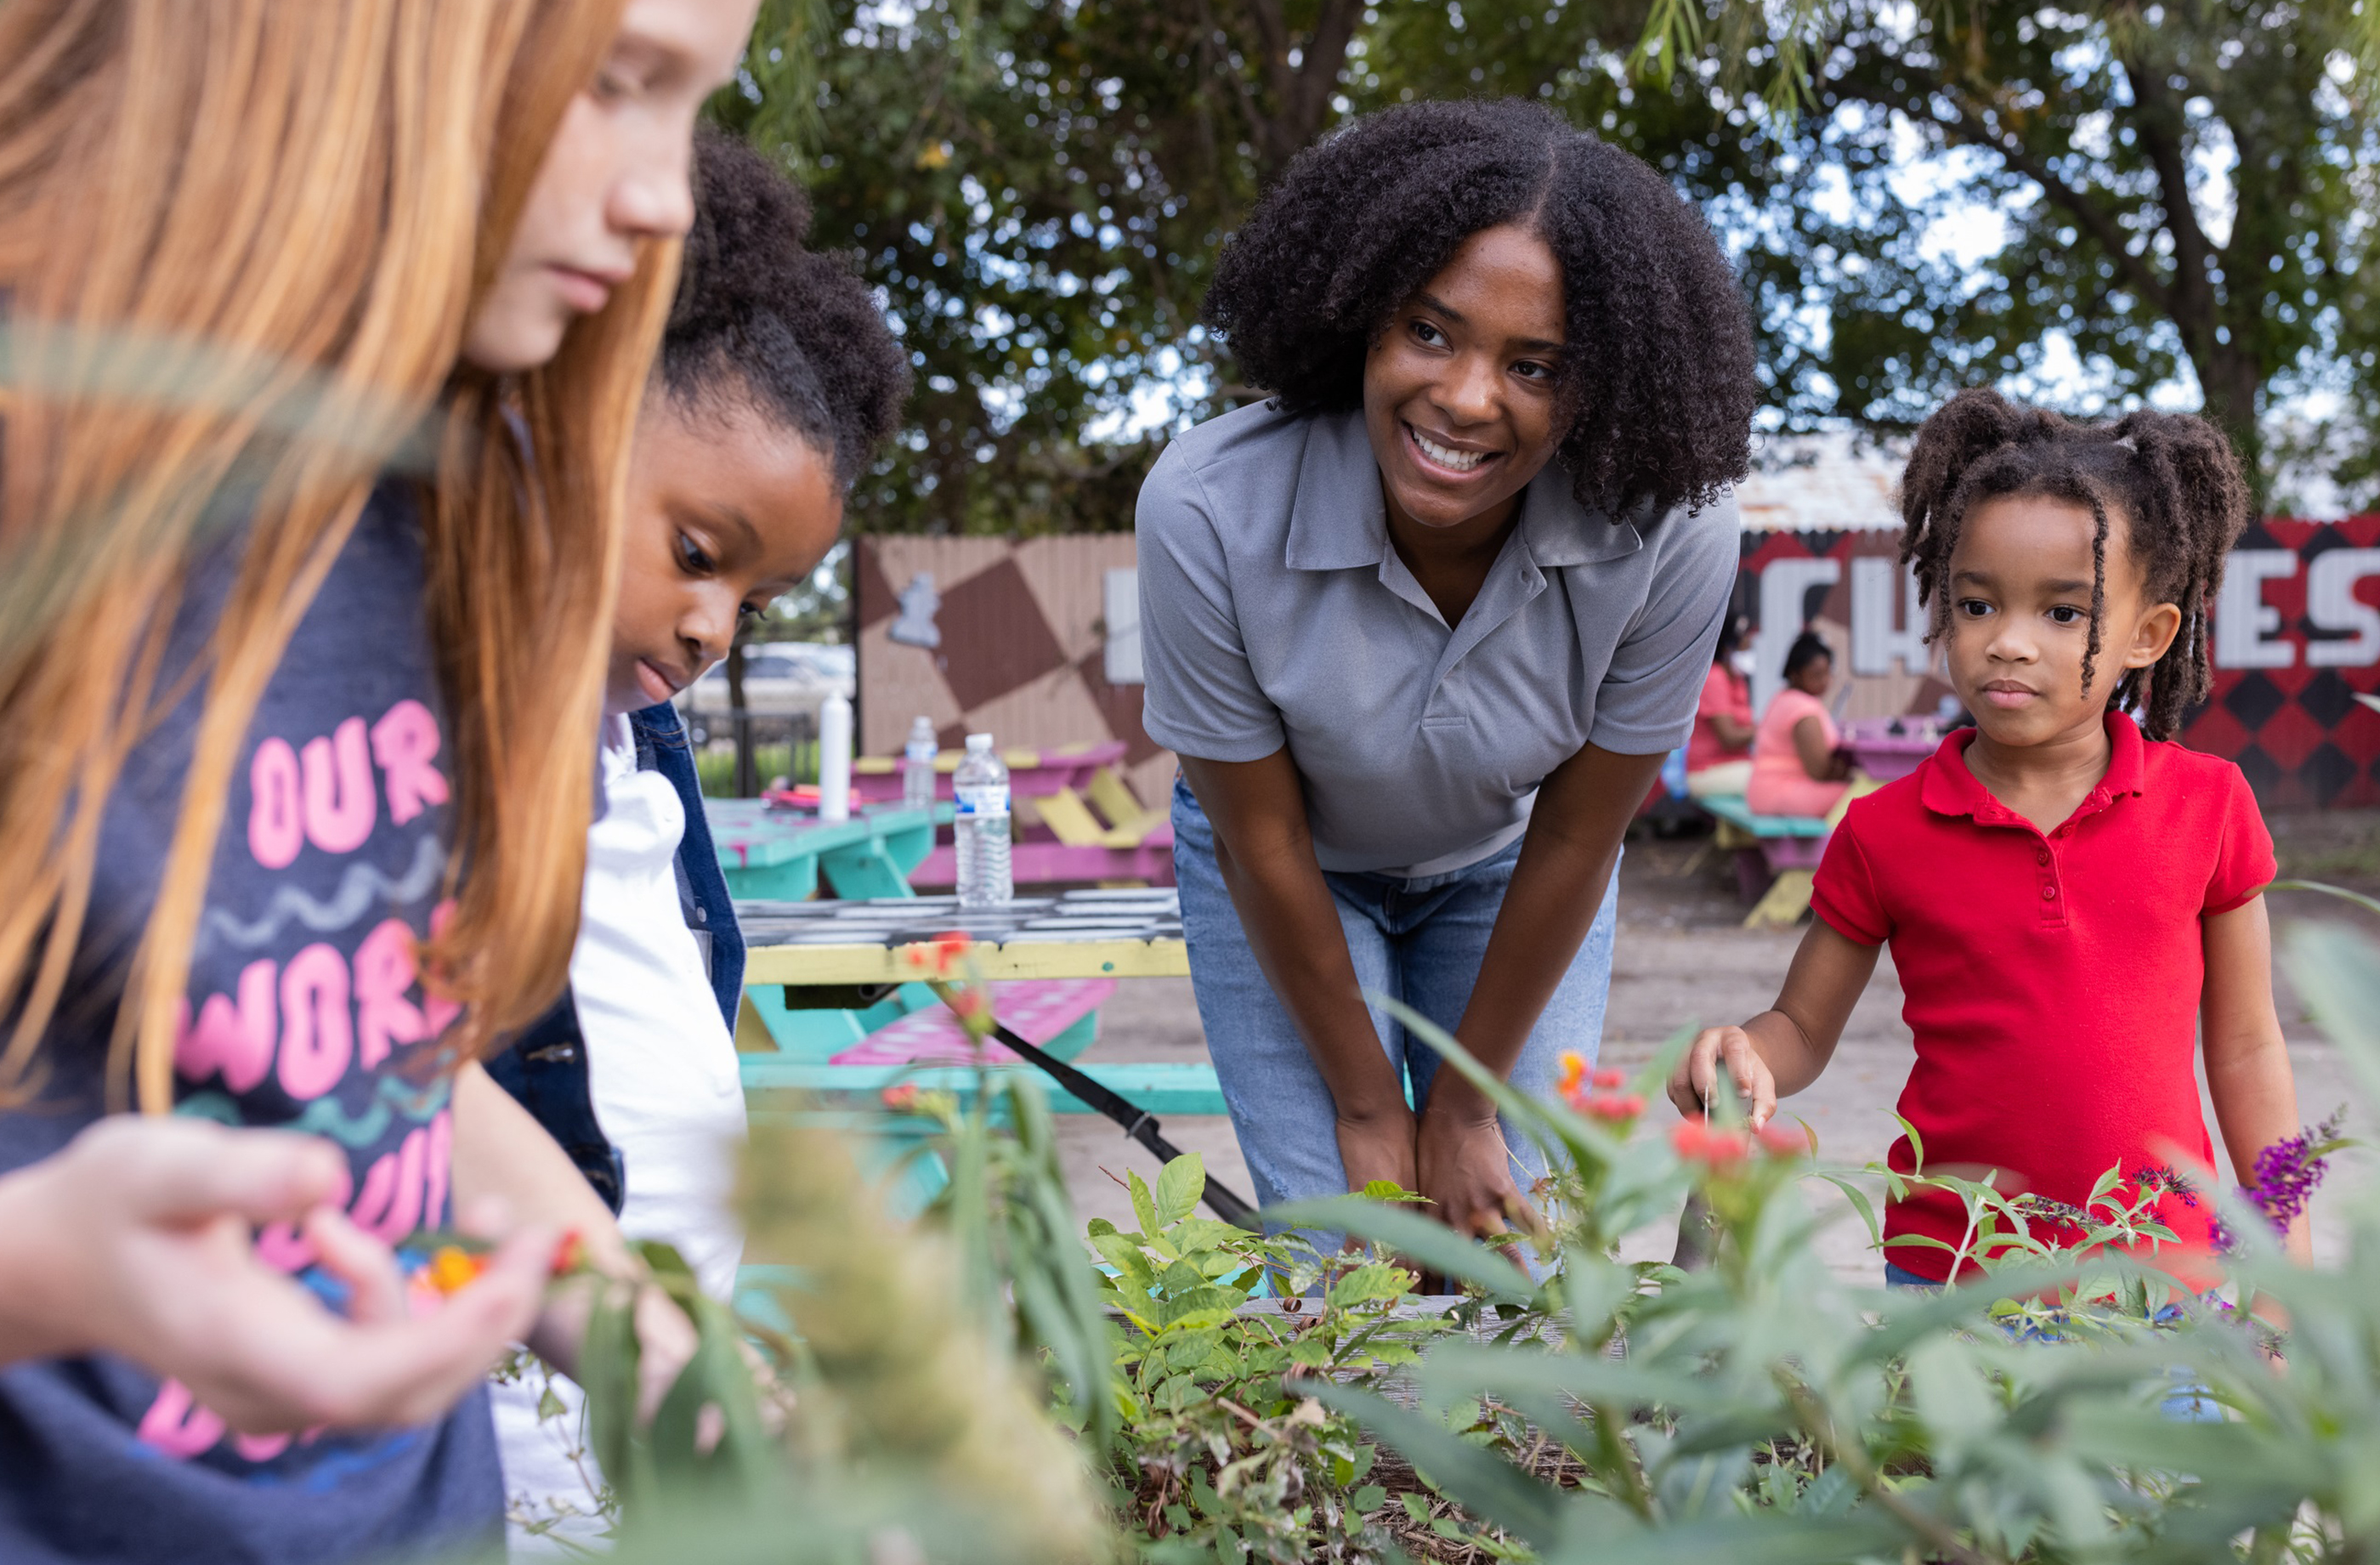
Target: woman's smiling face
1459,392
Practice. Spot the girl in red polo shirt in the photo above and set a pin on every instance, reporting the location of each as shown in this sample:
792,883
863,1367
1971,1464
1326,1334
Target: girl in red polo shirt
2068,894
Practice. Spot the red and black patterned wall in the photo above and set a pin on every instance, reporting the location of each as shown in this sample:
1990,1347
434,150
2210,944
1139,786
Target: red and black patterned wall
2297,638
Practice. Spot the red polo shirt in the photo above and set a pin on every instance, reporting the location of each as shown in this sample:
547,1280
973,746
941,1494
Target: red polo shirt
2052,981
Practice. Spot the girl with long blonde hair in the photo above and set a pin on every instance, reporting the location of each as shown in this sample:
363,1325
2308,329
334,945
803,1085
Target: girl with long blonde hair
326,326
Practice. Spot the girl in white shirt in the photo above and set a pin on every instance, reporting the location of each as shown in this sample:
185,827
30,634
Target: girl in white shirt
776,381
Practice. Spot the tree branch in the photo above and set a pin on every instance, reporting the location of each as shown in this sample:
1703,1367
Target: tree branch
1971,126
2159,127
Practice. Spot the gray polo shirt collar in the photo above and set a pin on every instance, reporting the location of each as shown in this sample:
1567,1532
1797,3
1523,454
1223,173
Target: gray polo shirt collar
1341,522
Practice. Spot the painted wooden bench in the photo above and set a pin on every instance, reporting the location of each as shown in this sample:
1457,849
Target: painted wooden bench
1080,820
779,853
1163,1089
808,952
1774,858
1059,1016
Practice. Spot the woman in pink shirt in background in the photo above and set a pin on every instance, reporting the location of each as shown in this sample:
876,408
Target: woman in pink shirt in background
1796,767
1719,752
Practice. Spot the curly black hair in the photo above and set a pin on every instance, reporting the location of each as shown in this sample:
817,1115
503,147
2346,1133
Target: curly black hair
1658,384
2173,477
1807,649
762,321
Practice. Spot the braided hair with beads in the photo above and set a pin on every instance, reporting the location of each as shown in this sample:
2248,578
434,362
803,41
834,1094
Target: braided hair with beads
2172,477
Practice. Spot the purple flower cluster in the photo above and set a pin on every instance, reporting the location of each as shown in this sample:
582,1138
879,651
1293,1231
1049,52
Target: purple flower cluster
2287,1172
2160,1179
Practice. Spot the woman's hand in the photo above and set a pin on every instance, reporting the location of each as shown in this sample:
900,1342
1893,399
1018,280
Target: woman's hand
138,1240
1464,1166
1382,1148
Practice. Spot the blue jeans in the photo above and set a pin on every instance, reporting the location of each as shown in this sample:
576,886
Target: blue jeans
1417,941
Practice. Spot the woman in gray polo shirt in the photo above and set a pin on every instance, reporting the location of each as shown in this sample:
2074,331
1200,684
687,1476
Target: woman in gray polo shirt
1423,626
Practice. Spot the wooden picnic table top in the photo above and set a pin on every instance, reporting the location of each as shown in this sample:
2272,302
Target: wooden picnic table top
751,832
1134,933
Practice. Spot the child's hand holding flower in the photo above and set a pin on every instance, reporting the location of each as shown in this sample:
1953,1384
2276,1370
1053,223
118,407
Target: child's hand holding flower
1694,1082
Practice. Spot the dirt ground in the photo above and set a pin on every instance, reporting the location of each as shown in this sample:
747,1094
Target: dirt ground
1682,958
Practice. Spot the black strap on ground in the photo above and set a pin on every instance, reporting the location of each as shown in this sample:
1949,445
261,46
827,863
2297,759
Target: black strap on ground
1138,1122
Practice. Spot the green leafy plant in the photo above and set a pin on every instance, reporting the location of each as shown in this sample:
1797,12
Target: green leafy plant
1228,1453
2065,1407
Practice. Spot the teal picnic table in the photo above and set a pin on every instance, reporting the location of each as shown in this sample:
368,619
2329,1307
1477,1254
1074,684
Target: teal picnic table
783,855
802,950
800,957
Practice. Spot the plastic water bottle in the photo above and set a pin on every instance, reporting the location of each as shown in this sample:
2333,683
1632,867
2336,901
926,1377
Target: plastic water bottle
981,827
917,766
834,759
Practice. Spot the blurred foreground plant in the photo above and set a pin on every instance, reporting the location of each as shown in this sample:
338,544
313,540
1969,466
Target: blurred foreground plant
2071,1404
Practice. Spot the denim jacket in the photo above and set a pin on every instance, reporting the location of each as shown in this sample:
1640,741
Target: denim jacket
546,1067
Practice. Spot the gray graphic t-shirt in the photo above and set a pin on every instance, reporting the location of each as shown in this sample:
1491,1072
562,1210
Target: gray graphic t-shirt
304,1013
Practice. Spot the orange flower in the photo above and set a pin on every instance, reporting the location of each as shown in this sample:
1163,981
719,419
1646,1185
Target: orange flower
900,1096
970,1003
453,1268
1573,1070
1698,1142
569,1254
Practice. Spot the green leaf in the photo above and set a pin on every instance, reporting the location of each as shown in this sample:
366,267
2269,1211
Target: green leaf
1860,1204
1368,1499
1213,1233
1142,1206
1131,1265
1188,1350
1179,1189
663,1259
1422,1240
1479,1481
1369,1282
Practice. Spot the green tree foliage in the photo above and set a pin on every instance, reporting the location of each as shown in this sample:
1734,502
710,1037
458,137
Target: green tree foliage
2183,183
1040,189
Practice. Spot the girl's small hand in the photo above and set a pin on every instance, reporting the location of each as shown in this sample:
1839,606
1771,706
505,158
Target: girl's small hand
665,1345
138,1240
1695,1080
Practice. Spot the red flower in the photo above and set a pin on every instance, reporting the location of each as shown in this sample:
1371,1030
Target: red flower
1613,1107
1779,1142
900,1096
1608,1079
1698,1142
569,1254
970,1003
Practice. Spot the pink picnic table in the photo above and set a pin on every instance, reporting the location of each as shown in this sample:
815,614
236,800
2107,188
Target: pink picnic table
1034,771
1886,748
1067,844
